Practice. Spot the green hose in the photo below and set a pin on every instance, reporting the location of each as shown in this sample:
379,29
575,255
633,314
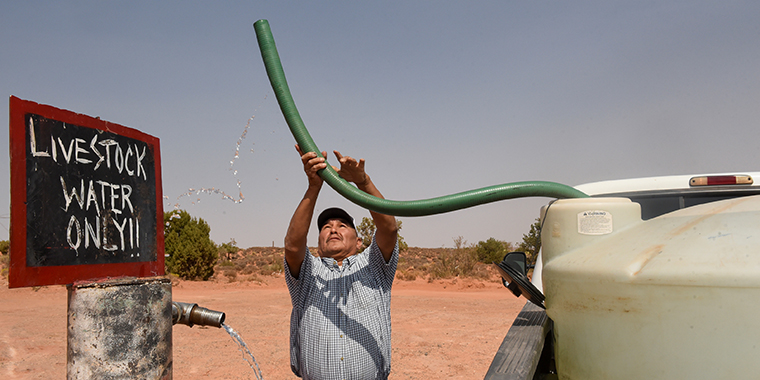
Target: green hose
421,207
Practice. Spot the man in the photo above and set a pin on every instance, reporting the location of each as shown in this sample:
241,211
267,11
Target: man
340,326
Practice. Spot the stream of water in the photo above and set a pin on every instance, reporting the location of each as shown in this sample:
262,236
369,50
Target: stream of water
244,349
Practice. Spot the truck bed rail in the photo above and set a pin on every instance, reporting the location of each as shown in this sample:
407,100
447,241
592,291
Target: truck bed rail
519,354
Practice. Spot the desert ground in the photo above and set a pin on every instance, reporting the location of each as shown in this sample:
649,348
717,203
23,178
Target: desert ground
441,329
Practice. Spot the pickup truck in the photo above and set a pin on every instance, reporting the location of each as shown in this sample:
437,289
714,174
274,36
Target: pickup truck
691,211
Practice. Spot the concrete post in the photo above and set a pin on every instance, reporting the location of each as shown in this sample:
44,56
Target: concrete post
120,329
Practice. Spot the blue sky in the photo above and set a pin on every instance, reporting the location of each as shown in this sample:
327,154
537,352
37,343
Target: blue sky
438,97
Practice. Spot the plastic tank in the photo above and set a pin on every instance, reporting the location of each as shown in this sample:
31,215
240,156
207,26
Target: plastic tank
675,297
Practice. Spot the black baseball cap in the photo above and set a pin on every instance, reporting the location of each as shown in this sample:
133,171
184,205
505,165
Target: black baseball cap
334,213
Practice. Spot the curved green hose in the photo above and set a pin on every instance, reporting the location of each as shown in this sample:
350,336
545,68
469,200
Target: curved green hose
422,207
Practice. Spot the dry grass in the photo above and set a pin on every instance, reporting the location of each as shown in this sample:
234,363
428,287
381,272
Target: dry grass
251,264
255,263
430,264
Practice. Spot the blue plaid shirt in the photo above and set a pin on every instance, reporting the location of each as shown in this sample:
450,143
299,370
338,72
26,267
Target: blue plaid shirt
340,327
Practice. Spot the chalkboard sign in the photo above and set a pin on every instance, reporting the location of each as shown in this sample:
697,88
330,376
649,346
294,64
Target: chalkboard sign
85,198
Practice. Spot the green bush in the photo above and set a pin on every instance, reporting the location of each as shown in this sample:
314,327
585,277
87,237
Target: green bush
531,242
492,250
366,230
192,254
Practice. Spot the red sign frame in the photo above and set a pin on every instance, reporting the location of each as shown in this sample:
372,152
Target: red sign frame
22,275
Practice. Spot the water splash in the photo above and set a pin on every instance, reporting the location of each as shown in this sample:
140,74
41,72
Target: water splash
214,190
244,349
211,191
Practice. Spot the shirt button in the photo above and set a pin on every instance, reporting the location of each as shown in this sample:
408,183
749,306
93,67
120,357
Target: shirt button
341,359
341,335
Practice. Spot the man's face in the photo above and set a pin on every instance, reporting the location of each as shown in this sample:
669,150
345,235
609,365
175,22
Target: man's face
338,240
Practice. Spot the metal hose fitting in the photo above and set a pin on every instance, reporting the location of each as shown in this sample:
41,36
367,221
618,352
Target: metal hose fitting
191,314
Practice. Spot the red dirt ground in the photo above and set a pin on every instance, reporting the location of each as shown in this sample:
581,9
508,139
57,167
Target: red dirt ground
445,329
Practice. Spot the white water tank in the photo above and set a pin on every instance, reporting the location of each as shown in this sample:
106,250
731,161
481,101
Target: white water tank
674,297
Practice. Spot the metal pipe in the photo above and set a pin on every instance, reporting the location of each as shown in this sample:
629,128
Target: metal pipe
191,314
120,329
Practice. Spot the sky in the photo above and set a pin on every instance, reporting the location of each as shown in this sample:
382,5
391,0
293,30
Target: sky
438,97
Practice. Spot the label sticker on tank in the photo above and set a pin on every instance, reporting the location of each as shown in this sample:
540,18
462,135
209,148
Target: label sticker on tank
595,222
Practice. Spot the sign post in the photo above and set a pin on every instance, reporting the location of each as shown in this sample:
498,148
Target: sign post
86,211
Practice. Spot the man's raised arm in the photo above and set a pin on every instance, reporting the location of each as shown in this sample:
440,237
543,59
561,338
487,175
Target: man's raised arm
298,229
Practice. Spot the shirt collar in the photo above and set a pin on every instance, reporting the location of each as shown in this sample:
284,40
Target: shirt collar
333,264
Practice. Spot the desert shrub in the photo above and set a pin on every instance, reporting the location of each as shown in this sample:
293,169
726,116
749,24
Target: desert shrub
240,264
4,265
416,262
256,261
409,274
447,265
228,250
231,274
5,258
453,263
262,261
531,242
366,230
275,267
191,253
254,278
462,261
492,250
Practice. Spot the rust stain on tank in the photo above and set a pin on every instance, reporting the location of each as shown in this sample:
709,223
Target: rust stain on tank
709,213
600,305
643,258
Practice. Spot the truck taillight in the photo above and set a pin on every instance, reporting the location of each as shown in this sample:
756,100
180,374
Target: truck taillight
721,180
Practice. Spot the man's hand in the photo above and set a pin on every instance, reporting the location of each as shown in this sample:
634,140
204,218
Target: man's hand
312,164
350,169
386,228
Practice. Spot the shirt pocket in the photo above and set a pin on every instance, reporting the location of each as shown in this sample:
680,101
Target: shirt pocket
362,296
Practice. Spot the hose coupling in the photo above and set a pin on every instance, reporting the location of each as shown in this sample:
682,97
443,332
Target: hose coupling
191,314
